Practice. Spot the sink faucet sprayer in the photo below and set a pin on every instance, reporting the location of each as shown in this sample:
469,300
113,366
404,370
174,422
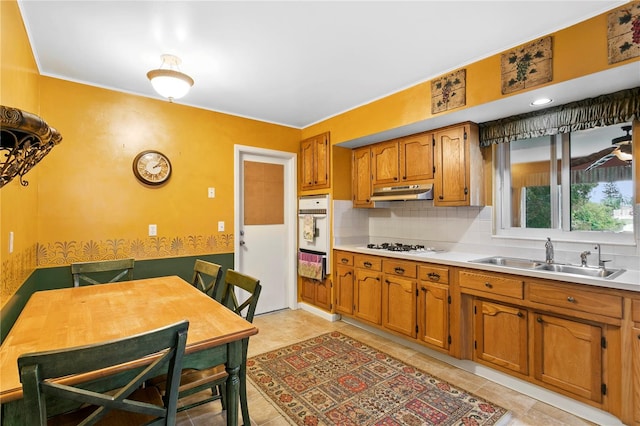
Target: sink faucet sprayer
583,257
549,251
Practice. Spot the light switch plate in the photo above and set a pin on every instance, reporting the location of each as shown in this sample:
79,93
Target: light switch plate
211,193
153,230
221,226
11,242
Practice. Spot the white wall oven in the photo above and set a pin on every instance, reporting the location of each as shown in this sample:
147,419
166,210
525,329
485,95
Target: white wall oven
314,228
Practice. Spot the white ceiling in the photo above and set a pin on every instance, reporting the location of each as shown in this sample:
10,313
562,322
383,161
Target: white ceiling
289,62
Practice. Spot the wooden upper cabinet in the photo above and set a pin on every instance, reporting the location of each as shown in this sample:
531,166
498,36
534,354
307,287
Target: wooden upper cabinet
416,157
459,177
362,177
385,162
404,160
315,162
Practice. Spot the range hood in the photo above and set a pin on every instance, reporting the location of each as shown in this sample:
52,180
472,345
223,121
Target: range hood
403,192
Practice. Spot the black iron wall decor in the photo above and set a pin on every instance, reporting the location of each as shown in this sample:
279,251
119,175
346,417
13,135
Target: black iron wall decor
25,139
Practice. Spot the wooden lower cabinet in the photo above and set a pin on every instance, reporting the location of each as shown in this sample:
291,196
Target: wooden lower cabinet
399,304
317,292
433,314
568,355
368,295
635,357
500,335
344,289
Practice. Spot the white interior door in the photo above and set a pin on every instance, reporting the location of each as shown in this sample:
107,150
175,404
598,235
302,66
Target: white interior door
265,223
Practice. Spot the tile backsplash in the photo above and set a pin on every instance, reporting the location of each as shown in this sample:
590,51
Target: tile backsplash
467,229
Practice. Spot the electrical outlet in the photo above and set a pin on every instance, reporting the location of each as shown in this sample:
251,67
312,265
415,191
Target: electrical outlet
221,226
153,230
212,193
11,242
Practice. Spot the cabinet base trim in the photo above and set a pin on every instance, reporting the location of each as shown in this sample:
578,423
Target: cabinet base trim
562,402
319,312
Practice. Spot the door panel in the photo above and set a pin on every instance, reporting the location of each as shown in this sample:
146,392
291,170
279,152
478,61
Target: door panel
265,239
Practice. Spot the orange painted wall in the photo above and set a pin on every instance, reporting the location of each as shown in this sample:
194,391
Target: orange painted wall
92,207
577,51
19,88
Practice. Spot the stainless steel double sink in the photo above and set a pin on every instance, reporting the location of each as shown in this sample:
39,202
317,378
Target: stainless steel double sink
559,268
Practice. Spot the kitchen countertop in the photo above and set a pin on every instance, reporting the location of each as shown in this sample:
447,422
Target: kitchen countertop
629,280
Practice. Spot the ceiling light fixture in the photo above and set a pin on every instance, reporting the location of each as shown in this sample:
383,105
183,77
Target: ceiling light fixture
168,80
541,101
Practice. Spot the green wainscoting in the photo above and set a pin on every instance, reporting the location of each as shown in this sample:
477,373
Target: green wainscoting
60,277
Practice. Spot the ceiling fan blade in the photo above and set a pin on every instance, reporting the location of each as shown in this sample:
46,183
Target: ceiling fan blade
601,161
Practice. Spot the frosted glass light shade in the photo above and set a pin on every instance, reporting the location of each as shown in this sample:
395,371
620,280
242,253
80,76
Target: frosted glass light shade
169,83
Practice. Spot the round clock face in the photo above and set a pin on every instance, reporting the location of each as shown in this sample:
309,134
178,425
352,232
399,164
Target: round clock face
152,167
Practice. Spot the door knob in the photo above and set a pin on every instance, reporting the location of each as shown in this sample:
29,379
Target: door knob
241,243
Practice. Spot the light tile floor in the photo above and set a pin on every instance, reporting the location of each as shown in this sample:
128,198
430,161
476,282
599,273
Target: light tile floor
286,327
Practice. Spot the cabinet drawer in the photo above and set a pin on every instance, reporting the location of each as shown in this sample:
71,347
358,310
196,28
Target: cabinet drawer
493,284
368,262
398,267
635,310
343,258
434,274
576,298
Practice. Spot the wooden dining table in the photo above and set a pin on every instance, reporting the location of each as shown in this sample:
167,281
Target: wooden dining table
68,317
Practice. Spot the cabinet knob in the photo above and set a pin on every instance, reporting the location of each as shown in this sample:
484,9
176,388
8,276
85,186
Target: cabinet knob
440,197
433,276
571,299
539,319
399,270
367,264
520,315
344,260
488,285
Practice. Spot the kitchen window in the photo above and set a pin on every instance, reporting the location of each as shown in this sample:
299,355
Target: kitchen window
567,172
567,184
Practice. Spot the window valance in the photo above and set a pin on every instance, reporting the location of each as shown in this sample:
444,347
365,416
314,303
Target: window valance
603,110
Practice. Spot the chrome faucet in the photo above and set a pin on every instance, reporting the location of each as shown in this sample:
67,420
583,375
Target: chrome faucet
548,251
601,263
583,257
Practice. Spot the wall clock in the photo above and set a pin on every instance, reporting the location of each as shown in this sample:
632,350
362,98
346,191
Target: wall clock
152,167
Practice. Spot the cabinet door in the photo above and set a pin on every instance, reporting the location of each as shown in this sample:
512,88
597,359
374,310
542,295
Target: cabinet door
307,164
362,177
568,356
368,293
308,290
321,155
416,158
501,335
385,162
315,162
399,305
433,314
451,187
344,289
635,353
322,296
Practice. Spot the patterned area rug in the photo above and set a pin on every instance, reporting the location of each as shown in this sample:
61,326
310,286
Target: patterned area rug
334,379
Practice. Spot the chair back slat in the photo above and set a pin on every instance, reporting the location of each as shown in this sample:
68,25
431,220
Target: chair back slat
234,279
36,368
207,277
89,271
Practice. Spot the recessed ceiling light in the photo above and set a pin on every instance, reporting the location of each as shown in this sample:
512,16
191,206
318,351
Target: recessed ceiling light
541,101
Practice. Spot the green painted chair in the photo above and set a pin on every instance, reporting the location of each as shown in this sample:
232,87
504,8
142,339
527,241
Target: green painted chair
195,381
206,277
128,405
102,271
